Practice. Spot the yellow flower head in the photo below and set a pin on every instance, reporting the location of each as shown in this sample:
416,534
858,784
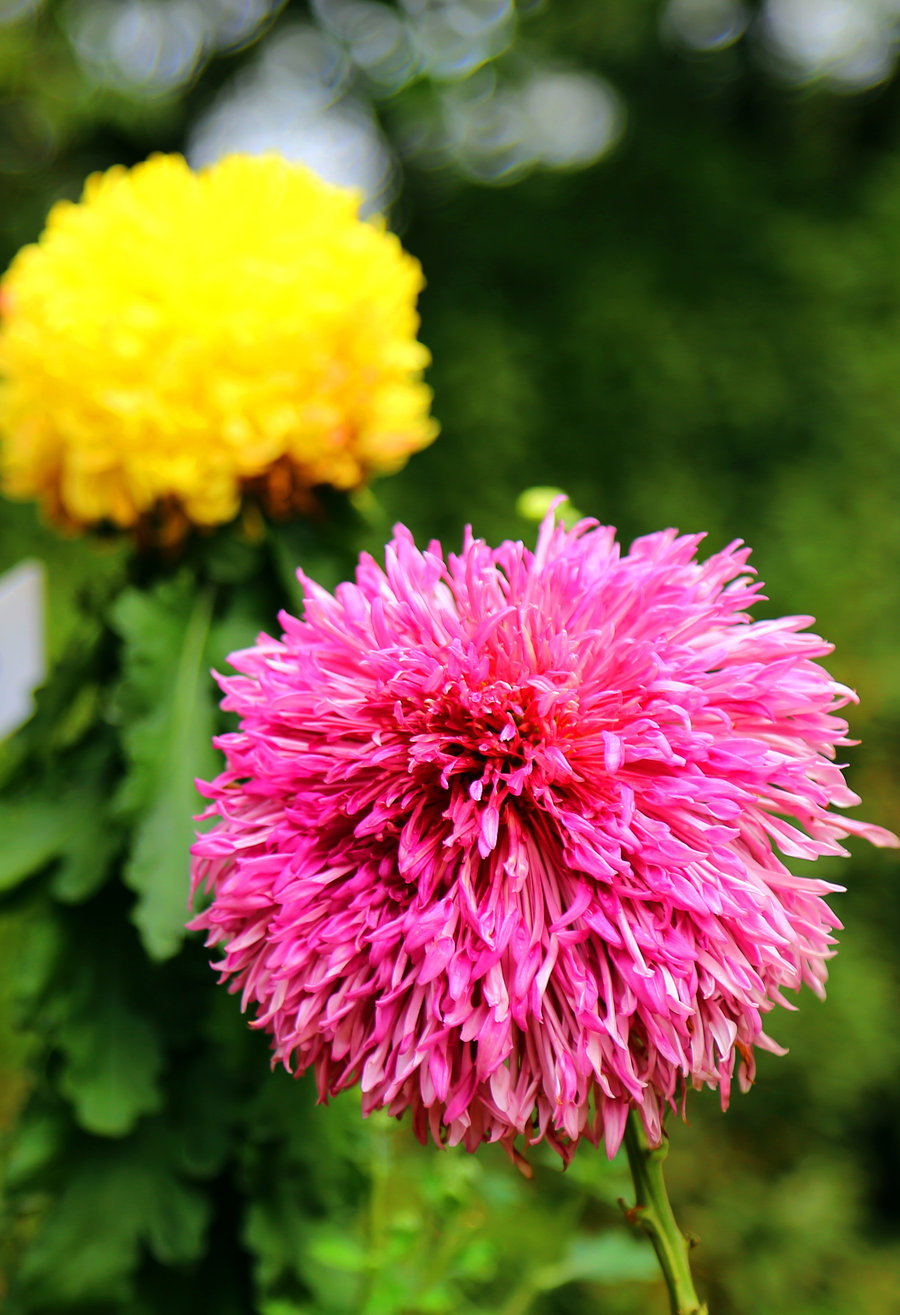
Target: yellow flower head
178,338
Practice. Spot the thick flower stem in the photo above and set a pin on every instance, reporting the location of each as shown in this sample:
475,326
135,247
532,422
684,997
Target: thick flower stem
653,1214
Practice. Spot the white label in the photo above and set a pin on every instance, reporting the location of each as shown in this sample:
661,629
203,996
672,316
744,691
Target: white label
23,661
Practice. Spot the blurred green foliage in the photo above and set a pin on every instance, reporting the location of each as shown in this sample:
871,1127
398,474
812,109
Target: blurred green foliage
701,330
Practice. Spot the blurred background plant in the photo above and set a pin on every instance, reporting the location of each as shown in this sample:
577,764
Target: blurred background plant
662,243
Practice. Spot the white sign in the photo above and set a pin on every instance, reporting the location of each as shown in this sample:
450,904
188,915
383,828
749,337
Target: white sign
23,661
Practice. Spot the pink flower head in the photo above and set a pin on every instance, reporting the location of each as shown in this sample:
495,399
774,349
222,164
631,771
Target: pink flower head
497,835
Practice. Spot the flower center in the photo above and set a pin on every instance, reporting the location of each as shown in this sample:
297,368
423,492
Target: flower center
493,733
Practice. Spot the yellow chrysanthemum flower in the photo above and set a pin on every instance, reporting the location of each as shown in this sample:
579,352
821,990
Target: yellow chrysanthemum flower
178,338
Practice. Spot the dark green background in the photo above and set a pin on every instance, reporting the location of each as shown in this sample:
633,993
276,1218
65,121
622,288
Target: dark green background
702,330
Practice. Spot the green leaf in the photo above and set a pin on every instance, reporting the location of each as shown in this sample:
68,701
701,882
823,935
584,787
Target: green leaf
274,1231
176,1224
201,1109
612,1257
337,1249
38,957
31,830
93,841
326,552
113,1062
230,557
391,1292
67,822
118,1197
237,628
280,1307
68,704
40,1137
166,703
78,570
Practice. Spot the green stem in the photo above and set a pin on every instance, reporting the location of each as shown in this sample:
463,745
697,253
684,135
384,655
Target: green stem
653,1214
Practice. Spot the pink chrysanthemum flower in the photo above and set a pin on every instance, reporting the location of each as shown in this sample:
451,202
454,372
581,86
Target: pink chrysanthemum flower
497,835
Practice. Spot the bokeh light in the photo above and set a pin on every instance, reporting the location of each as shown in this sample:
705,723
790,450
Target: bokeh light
375,38
153,47
705,24
295,98
14,11
487,105
852,44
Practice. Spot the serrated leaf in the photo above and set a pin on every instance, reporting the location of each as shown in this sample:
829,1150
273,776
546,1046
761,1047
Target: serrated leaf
31,838
65,822
274,1231
39,1139
175,1227
167,703
84,865
117,1198
113,1059
42,950
68,704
